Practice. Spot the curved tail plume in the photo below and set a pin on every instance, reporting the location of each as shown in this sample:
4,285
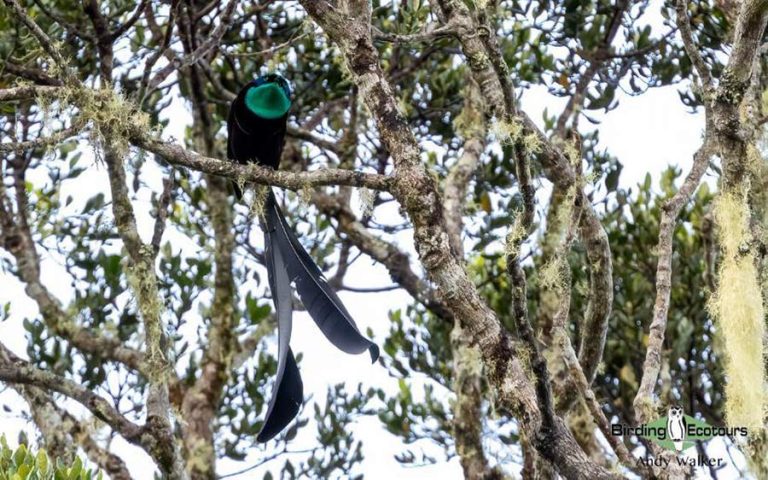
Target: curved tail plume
288,390
287,262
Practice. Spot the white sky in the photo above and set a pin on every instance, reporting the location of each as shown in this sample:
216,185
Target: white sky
646,133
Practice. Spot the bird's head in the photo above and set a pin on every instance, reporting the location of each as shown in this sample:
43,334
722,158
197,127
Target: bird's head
269,96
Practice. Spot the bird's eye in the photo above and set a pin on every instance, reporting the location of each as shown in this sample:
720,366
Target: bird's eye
284,85
274,78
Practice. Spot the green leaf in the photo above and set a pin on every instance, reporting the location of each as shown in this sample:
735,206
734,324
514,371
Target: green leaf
20,455
24,471
77,467
42,462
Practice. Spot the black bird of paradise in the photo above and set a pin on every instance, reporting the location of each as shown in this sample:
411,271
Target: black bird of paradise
256,134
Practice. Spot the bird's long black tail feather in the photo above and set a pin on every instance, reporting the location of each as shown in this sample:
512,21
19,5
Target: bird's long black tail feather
288,390
321,302
287,262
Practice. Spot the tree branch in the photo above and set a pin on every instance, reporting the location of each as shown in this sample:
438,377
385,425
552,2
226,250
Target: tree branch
490,71
17,371
26,92
595,327
459,176
417,191
177,155
37,32
39,77
53,139
429,34
202,400
644,401
119,31
684,25
397,262
143,282
211,42
18,241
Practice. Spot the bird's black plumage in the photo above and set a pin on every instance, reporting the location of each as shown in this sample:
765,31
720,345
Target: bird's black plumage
252,138
259,138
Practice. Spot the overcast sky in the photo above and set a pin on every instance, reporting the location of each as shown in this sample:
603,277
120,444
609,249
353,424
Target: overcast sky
646,133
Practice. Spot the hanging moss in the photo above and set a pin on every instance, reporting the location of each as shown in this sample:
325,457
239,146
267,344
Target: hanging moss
112,116
258,201
108,112
470,360
738,307
305,194
572,152
198,456
506,132
240,182
470,122
531,143
551,274
367,197
515,236
143,284
525,355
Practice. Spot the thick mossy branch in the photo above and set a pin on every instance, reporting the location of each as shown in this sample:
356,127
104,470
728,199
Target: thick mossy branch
143,282
757,461
467,409
738,307
553,274
515,238
111,115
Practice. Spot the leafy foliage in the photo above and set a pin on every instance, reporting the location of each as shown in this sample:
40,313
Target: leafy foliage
545,43
24,464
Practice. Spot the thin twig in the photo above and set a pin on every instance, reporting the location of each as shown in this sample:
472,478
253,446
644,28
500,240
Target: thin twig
54,138
213,41
20,371
162,212
684,25
38,33
119,31
644,398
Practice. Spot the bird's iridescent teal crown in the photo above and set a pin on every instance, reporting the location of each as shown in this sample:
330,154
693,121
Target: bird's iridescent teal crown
269,96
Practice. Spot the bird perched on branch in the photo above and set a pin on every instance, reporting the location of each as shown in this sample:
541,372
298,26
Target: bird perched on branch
256,134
